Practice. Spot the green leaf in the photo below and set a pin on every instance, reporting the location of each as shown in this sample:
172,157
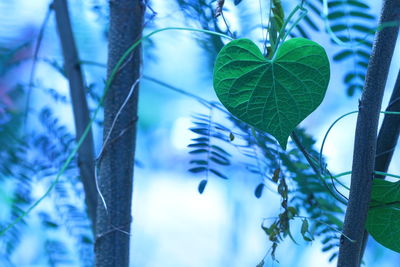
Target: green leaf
326,240
343,55
328,247
198,145
384,214
348,2
332,257
259,190
361,15
199,162
220,150
237,2
219,156
219,161
339,27
202,186
362,28
201,139
304,227
198,151
231,137
86,239
261,264
278,14
217,173
311,23
272,95
385,192
198,169
336,15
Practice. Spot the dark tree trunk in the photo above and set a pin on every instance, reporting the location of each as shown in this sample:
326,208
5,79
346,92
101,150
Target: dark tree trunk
387,141
117,160
389,132
80,108
365,142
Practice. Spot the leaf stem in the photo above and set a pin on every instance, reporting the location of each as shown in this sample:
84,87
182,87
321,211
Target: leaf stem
336,121
282,33
387,174
335,193
328,225
326,136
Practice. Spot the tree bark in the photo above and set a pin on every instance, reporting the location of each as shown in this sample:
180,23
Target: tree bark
365,142
117,160
387,141
80,108
389,132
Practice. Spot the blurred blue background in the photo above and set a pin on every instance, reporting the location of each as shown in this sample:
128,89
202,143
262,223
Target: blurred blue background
173,225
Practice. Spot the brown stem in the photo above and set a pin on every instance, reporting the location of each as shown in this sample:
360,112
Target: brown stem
80,108
366,139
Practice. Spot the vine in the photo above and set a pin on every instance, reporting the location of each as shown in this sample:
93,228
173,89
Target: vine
73,153
238,65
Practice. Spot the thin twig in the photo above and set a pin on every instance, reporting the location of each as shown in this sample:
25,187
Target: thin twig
336,194
33,69
77,88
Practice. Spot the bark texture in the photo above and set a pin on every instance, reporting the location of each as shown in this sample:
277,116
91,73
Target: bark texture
366,139
116,163
80,108
389,132
387,141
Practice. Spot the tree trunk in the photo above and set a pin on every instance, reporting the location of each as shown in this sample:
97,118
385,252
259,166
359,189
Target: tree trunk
387,141
117,160
389,132
80,108
365,142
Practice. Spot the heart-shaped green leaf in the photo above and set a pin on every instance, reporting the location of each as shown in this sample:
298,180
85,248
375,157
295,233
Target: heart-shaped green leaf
272,95
384,214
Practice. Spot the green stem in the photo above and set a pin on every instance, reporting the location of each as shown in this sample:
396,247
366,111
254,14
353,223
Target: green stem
336,121
328,225
334,192
352,44
326,136
286,33
297,21
335,177
281,32
387,174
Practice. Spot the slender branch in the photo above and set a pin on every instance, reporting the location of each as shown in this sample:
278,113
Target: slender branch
366,137
387,141
79,104
33,69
